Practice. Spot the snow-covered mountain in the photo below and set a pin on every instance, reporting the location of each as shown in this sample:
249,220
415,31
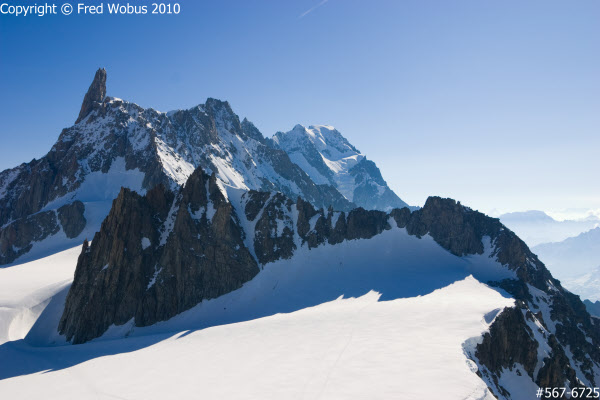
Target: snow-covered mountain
328,158
114,144
537,227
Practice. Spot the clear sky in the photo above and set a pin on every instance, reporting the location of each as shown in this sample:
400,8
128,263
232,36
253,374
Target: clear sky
494,103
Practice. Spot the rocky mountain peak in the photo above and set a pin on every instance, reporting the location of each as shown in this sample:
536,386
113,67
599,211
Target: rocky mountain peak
94,95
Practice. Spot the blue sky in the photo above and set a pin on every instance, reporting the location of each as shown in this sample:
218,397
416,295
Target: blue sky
494,103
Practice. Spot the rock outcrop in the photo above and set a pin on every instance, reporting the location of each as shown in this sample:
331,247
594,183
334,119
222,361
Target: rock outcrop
510,341
72,219
156,256
94,96
17,237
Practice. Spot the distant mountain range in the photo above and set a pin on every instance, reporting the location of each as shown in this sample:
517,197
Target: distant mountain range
573,256
536,227
587,285
575,262
593,308
570,249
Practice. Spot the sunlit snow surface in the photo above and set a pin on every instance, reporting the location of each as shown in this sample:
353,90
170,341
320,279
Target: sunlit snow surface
288,333
26,290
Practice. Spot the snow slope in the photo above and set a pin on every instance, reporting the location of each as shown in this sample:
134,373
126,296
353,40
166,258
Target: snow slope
338,321
26,291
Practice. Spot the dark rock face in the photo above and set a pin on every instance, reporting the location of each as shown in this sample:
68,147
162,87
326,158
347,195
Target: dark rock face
95,94
157,256
274,229
17,238
556,369
110,274
508,344
278,233
72,219
509,341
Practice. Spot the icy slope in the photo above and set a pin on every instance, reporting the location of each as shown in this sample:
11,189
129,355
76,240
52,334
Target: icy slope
328,158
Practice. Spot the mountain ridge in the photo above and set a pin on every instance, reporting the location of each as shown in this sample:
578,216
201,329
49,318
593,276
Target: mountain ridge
537,227
548,336
116,143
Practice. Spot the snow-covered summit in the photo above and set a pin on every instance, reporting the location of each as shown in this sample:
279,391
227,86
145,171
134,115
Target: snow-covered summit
329,158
